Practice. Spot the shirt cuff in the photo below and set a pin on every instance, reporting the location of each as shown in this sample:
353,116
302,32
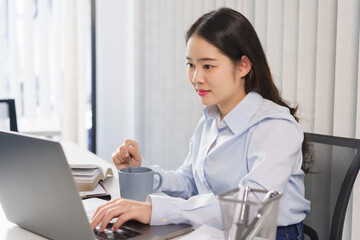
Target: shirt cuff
165,209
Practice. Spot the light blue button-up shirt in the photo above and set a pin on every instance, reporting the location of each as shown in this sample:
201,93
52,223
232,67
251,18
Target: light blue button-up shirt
258,142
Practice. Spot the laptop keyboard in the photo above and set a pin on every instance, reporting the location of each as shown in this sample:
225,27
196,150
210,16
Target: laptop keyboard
121,233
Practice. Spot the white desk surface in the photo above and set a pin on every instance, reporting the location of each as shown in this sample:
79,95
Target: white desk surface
11,231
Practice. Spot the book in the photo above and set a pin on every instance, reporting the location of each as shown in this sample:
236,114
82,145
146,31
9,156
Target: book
87,168
98,192
87,178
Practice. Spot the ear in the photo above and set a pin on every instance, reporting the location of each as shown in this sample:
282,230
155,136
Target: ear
243,66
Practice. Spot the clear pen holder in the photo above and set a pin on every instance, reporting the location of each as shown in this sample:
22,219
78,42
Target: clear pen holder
249,213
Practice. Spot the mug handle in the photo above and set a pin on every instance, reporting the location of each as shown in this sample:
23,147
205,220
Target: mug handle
160,182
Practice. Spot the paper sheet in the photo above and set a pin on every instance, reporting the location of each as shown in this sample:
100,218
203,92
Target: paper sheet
205,232
91,204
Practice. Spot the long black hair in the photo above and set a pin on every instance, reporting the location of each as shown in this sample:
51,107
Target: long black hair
232,33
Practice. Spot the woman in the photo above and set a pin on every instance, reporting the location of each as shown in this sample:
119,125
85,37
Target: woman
248,134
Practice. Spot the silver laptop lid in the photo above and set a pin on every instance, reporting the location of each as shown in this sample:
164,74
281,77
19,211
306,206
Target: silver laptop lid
37,190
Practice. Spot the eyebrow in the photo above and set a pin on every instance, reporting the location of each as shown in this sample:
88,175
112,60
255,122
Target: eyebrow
202,59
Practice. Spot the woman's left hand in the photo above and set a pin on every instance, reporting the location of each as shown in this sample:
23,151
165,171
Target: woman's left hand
125,210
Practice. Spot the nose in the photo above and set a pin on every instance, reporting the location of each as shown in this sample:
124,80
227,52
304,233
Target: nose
197,77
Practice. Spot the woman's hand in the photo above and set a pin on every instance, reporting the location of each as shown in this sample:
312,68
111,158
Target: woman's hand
120,156
125,210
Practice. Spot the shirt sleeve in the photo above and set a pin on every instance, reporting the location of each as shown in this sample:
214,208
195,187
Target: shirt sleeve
197,210
274,154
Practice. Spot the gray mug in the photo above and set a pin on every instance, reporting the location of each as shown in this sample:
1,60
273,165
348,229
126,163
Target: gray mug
136,183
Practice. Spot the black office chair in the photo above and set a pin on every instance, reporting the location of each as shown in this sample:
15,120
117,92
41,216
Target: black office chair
9,112
328,187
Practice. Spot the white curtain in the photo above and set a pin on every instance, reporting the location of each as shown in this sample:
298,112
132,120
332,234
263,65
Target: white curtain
312,48
45,65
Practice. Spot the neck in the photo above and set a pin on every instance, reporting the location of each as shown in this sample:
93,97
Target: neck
225,109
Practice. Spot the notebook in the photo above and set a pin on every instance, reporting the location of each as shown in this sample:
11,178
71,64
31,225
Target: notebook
38,192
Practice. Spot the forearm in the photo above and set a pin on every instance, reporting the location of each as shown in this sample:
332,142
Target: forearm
198,210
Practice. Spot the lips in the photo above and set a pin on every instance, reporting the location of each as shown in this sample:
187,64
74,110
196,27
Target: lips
203,92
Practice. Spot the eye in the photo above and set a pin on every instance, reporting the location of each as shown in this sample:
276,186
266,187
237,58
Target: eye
208,66
190,65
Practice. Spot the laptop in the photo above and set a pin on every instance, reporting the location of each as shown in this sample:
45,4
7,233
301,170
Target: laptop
37,192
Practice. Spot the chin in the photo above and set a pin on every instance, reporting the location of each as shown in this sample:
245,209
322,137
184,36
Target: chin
208,103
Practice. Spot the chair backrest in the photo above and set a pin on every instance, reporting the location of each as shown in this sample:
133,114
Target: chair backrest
8,119
328,187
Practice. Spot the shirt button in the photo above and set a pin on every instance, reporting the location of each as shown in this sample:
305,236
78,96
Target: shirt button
164,219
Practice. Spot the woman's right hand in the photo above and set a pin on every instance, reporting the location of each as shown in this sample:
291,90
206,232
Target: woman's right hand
120,156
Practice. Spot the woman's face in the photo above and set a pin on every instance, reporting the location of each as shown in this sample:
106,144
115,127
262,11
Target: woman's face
216,79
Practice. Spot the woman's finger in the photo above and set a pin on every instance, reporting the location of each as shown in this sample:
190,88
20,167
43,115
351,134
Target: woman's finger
126,216
101,211
111,213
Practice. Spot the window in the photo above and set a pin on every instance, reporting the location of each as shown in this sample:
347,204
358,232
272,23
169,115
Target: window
45,58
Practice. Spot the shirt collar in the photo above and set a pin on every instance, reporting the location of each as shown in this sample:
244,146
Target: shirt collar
240,115
211,112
